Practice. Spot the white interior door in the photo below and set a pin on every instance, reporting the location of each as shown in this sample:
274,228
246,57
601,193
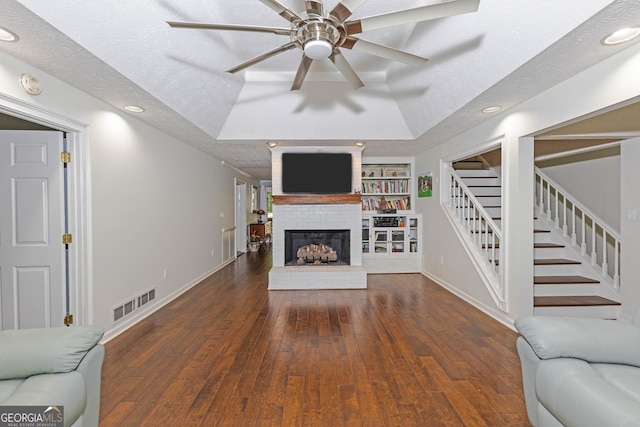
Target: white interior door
241,216
32,276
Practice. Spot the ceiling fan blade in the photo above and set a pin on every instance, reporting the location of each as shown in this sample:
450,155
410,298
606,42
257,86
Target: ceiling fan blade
303,69
345,9
407,16
229,27
383,51
262,57
281,10
314,8
343,66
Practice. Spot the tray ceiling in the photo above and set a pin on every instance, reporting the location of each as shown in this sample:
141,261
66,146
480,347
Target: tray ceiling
123,52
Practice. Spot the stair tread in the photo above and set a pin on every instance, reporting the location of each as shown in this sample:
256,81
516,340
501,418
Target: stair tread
540,230
572,301
562,280
535,245
543,245
554,261
551,261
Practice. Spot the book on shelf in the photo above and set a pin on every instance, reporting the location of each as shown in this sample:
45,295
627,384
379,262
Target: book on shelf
371,204
386,186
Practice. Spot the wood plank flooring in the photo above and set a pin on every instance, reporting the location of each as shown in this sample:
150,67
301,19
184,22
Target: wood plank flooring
405,352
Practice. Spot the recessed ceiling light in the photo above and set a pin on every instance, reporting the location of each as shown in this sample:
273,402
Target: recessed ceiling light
30,84
133,108
622,35
7,36
492,109
272,144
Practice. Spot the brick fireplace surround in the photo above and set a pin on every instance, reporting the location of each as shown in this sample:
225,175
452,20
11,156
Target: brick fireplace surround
326,212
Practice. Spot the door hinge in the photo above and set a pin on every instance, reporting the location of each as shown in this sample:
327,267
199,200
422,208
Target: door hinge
65,157
66,239
68,319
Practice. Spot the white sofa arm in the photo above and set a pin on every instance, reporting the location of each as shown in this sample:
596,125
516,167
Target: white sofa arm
27,352
592,340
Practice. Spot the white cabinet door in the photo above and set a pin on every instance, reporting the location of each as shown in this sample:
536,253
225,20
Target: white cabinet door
32,286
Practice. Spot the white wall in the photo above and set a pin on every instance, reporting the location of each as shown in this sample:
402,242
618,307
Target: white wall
157,203
630,226
610,82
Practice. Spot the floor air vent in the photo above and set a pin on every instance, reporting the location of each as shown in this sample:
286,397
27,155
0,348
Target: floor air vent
146,297
123,310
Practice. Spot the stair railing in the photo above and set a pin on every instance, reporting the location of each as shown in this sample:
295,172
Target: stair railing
480,230
597,240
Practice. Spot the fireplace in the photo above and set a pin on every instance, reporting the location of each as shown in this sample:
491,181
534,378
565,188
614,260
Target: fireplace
338,225
317,247
332,220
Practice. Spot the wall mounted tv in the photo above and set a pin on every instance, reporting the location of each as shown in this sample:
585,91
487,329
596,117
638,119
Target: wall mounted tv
316,173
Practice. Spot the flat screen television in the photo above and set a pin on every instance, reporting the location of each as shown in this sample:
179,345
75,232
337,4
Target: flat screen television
316,173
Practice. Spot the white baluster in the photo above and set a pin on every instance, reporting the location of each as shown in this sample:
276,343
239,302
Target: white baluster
564,219
616,268
557,219
467,215
493,250
449,195
457,199
541,198
574,237
548,201
605,267
583,245
594,254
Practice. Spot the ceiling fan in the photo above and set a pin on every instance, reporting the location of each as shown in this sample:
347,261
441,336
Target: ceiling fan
320,35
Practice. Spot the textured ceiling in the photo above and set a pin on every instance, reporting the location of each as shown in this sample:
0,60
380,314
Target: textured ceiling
123,52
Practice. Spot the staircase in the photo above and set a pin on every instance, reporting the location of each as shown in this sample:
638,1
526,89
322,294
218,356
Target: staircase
566,282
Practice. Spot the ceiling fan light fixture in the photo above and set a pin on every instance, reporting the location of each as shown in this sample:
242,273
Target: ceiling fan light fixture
317,39
318,49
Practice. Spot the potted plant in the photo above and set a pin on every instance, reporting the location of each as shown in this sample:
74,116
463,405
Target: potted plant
254,242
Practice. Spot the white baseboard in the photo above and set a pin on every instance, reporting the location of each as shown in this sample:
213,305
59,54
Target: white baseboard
145,312
492,312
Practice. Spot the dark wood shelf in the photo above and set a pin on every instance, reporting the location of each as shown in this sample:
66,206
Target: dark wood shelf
318,199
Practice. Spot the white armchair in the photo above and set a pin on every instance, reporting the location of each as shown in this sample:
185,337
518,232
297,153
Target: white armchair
580,371
53,367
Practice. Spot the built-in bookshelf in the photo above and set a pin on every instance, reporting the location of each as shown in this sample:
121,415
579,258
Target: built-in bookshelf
391,243
391,231
387,184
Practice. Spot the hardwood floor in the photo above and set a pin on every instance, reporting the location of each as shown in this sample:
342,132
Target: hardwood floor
230,353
